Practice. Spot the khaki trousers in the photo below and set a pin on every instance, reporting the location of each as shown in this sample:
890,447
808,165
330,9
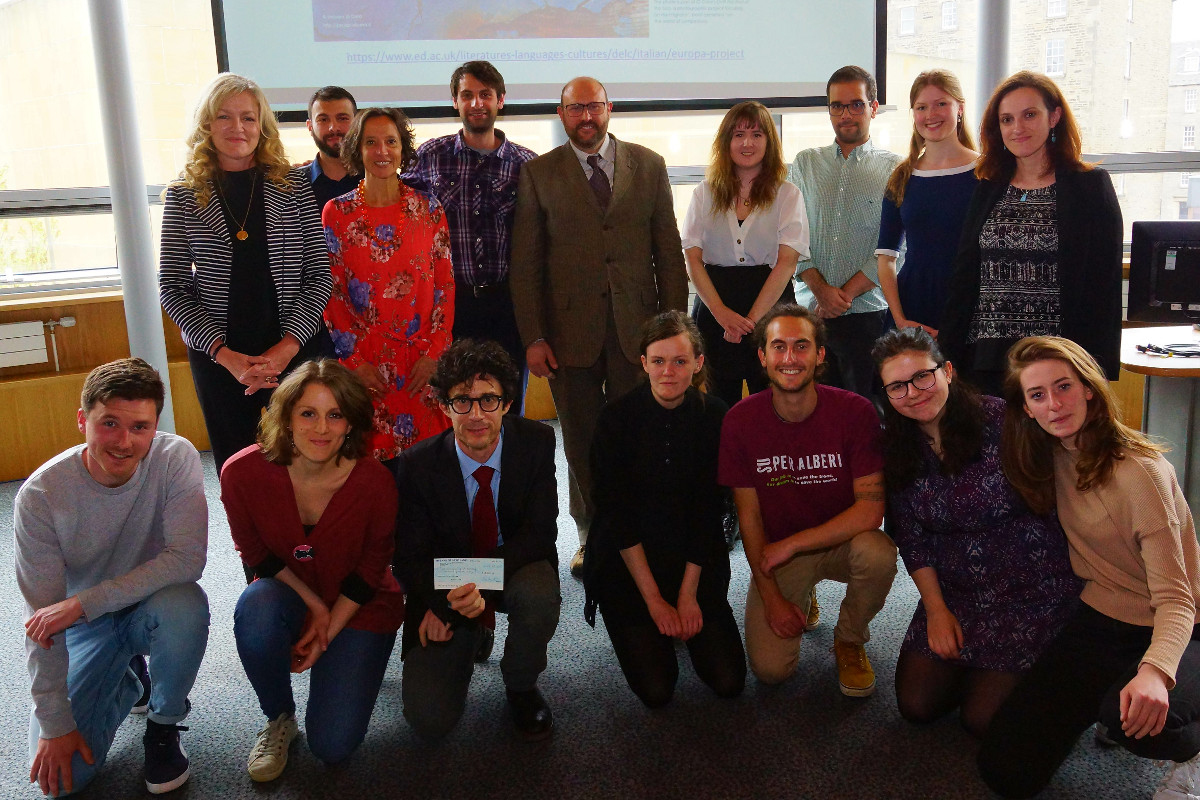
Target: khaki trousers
866,564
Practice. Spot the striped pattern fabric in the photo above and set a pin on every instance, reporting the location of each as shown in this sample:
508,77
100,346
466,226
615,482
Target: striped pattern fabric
196,254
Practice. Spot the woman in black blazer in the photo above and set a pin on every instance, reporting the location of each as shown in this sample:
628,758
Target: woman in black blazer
1041,246
243,269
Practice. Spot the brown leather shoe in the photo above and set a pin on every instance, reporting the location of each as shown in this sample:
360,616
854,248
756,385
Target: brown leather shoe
530,714
577,564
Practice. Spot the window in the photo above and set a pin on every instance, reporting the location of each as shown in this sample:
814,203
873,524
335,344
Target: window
1055,60
1183,179
1191,63
1189,137
1056,8
1128,59
1189,99
908,20
949,15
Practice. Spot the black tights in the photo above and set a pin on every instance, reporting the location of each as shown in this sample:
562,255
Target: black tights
928,689
648,658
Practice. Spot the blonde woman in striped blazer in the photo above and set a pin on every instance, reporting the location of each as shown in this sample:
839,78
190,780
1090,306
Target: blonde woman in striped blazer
243,270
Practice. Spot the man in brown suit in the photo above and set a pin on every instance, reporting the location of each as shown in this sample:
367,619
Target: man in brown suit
596,253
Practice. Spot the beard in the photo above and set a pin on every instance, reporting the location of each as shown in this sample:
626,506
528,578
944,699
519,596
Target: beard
329,150
803,386
478,126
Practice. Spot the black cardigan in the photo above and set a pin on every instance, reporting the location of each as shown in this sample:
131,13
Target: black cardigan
1089,267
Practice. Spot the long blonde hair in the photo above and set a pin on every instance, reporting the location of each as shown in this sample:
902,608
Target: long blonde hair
202,166
948,83
721,177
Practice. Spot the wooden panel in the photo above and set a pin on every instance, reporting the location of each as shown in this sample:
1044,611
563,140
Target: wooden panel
45,411
1129,393
189,422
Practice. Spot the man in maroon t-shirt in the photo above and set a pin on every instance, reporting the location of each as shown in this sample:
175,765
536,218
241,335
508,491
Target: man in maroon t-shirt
806,469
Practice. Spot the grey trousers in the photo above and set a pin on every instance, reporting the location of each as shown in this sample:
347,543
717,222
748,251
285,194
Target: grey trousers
436,677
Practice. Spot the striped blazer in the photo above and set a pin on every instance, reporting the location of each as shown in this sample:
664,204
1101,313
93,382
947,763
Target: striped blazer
196,254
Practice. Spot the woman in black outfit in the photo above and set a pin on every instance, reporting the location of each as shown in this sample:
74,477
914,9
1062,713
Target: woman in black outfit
656,560
244,271
1040,253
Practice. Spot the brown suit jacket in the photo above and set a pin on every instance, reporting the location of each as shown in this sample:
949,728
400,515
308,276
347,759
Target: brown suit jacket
568,256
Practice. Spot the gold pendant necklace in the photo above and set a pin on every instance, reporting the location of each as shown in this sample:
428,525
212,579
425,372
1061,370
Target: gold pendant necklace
241,234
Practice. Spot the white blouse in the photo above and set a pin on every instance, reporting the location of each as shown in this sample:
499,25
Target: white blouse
755,241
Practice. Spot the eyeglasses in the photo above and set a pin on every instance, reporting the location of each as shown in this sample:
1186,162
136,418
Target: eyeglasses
577,109
462,403
855,107
925,379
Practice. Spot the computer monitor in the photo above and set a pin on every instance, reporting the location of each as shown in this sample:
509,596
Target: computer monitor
1164,272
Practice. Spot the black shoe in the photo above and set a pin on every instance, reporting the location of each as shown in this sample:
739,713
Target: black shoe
486,643
138,665
530,714
166,760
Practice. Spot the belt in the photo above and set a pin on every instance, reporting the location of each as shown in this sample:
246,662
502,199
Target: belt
484,290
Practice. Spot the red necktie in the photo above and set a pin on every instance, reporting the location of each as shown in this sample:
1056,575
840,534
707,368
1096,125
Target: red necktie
485,531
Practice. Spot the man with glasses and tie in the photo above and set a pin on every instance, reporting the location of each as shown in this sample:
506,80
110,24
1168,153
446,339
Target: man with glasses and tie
484,489
843,186
596,253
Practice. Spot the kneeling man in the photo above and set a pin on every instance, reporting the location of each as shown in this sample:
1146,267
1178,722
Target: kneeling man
111,537
806,468
484,489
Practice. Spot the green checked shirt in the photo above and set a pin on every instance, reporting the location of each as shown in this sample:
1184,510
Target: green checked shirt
843,197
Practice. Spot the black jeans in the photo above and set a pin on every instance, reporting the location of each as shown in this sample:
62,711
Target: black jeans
1077,682
489,315
648,658
848,362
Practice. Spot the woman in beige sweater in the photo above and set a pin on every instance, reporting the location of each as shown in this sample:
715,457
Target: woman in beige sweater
1130,657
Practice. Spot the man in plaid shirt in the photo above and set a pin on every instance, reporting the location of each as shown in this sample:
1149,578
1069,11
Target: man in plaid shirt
473,174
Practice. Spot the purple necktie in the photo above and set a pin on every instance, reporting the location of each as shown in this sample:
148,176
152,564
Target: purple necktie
599,182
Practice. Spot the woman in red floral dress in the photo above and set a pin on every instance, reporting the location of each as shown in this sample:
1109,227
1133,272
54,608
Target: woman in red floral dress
392,306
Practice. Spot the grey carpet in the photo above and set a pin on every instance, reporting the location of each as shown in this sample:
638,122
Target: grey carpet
799,740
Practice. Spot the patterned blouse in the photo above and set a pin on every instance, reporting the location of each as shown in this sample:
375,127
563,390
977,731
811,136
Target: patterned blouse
1018,282
392,302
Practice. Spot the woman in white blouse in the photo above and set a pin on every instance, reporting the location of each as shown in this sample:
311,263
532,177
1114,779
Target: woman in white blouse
744,232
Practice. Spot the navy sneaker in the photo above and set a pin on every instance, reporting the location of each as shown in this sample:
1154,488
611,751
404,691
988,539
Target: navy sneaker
138,665
166,760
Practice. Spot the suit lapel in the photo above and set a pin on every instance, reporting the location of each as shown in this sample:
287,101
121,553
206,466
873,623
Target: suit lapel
453,493
624,171
577,183
212,215
273,200
511,477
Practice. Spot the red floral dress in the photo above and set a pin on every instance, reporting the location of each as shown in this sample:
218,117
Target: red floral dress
392,302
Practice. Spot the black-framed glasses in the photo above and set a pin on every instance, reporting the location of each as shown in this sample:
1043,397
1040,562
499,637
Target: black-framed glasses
855,107
462,403
577,109
925,379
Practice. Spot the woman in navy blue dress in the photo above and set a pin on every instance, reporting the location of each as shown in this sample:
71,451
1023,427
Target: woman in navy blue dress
926,202
995,579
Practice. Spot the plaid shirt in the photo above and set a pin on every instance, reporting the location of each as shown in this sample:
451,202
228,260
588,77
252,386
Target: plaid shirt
479,195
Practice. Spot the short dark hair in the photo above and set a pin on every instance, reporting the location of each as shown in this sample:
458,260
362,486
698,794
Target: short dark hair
352,145
468,359
853,74
328,93
482,71
788,310
123,379
274,428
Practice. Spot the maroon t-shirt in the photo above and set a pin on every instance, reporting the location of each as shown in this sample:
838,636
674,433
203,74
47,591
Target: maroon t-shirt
803,472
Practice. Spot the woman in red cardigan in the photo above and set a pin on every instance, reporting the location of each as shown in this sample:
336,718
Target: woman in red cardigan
312,515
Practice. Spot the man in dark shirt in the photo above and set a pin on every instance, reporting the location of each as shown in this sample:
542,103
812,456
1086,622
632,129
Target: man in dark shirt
331,109
473,174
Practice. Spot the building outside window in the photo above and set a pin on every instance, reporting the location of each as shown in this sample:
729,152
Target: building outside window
949,15
908,20
1055,58
1189,137
1056,8
1191,63
1189,100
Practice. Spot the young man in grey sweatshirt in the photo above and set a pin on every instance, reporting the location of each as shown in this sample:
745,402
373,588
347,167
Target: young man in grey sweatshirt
111,537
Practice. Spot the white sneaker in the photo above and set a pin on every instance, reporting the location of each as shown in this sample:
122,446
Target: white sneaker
270,753
1182,781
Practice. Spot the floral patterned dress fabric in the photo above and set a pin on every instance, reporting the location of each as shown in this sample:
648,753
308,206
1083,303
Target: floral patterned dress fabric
392,302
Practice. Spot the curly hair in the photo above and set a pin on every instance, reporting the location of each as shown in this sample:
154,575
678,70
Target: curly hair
124,379
721,176
996,162
202,168
468,359
960,430
353,400
352,145
948,83
1027,451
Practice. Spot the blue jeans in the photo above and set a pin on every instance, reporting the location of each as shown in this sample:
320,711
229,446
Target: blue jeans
171,626
343,683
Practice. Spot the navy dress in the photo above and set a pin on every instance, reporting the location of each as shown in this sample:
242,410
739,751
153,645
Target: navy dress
930,219
1004,571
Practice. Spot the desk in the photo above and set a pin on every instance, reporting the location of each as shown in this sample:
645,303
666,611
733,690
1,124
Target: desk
1171,399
